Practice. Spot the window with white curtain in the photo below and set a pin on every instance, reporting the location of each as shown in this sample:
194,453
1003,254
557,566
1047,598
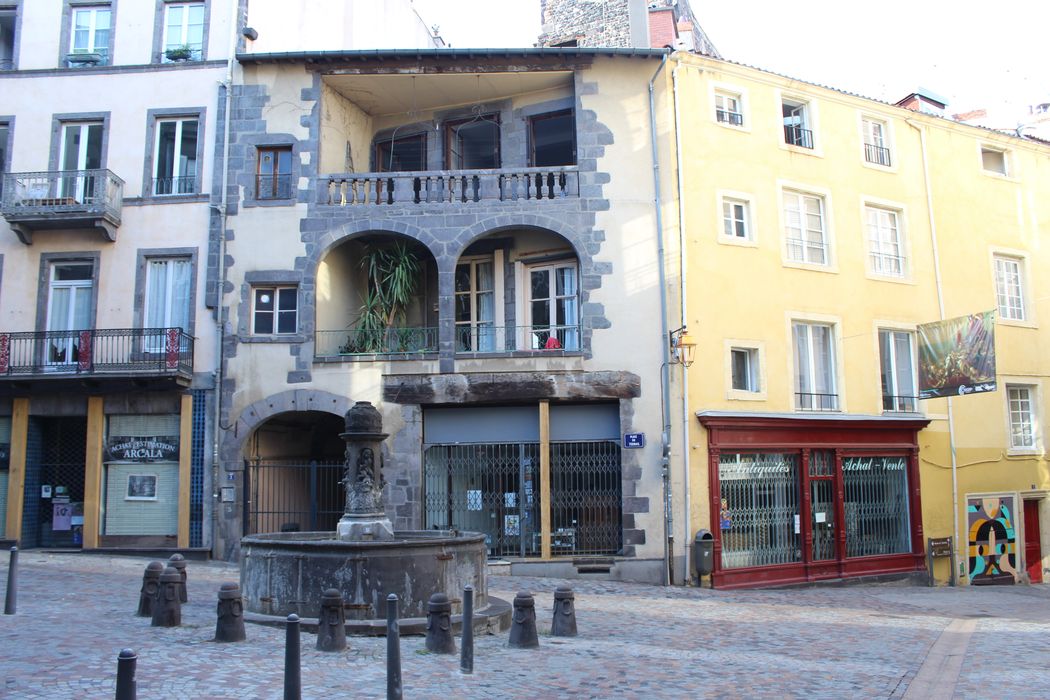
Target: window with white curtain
168,287
553,307
804,228
814,367
897,361
476,306
884,242
184,27
90,32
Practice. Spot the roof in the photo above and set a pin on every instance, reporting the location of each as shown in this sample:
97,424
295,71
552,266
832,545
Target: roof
447,54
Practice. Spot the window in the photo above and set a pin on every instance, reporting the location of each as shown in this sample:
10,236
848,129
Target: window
168,282
993,160
876,147
897,363
1009,288
552,139
183,31
476,306
68,309
275,310
797,129
814,367
80,151
89,40
727,109
8,22
473,144
744,367
807,240
735,218
175,159
552,307
884,242
1022,416
274,173
405,154
5,133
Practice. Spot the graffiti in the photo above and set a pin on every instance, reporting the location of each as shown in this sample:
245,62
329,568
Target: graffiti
992,539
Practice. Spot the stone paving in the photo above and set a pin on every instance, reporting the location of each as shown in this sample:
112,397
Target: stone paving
75,613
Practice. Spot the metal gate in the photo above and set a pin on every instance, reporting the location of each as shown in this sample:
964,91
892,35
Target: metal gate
586,498
289,495
61,471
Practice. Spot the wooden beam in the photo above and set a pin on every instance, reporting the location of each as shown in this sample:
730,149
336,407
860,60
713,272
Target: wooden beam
545,479
185,453
16,475
96,427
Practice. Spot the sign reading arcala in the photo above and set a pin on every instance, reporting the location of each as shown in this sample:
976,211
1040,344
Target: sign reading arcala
957,356
164,448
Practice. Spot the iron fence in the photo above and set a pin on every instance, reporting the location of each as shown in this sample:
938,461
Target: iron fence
877,154
383,341
797,136
484,338
292,495
586,502
144,351
816,402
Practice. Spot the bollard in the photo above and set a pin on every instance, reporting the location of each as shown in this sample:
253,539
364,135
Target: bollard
523,624
293,685
331,622
166,609
229,622
150,586
564,623
393,650
126,661
179,562
11,597
439,625
466,654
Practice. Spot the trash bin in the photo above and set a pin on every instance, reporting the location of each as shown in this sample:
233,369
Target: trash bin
704,552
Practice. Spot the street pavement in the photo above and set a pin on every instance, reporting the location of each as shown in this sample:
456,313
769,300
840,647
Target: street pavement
76,612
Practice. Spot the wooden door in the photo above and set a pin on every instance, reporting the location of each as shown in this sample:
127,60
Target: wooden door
1033,550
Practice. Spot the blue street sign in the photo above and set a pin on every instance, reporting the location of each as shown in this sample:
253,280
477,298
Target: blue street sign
633,440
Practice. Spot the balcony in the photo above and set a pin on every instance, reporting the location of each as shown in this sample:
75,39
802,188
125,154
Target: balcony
877,154
483,339
62,199
392,343
450,186
135,356
797,136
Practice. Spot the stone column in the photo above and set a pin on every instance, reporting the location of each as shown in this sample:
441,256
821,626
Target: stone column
364,517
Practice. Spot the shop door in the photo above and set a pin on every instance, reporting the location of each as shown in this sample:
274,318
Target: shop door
61,472
1033,548
823,505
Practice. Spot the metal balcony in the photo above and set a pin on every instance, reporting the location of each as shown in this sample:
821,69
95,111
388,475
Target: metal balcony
797,136
62,199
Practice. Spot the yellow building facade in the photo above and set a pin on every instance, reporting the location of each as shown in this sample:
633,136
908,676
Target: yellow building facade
818,231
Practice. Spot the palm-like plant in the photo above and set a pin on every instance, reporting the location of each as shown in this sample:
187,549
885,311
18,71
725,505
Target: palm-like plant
393,276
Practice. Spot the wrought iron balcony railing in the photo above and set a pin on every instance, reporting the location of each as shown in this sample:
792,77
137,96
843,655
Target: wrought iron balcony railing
877,154
384,341
124,352
900,404
797,136
727,117
450,186
482,339
62,199
816,402
184,184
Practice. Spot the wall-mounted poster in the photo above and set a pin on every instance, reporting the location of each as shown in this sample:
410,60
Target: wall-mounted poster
992,539
957,356
141,487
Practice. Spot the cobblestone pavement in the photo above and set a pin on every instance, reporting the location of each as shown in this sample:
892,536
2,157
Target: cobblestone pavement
75,612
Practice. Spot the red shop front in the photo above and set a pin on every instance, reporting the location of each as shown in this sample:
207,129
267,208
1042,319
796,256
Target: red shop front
801,498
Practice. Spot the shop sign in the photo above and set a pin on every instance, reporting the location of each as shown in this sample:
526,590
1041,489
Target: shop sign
957,356
163,448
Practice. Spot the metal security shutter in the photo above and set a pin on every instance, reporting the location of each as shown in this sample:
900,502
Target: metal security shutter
144,425
128,516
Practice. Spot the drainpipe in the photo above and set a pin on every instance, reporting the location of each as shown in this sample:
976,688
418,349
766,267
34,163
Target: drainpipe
665,389
940,310
227,84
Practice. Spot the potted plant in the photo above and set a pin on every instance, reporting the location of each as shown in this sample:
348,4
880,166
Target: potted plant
393,274
179,53
83,58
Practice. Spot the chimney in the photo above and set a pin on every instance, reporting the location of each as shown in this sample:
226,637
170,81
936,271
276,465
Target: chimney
925,101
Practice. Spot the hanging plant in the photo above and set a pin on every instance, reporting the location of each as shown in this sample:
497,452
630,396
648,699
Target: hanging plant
179,53
393,277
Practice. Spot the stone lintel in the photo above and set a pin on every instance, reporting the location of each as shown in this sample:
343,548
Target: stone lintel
509,386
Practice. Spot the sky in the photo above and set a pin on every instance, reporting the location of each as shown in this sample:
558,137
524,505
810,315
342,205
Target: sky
977,54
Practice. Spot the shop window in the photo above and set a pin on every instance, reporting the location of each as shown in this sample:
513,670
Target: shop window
552,139
473,144
759,509
876,505
404,154
275,310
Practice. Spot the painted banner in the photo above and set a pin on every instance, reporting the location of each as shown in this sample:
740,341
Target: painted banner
957,356
992,539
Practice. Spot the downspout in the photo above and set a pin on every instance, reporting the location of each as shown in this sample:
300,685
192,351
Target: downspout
220,335
940,310
682,322
665,390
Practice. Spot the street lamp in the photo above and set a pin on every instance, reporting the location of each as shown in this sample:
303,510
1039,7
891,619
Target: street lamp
683,347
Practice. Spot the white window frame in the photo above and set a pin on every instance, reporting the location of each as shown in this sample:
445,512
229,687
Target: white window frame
751,374
1002,152
177,166
496,323
802,106
526,339
728,109
718,92
756,350
910,402
183,29
155,342
799,198
1023,417
882,235
881,140
278,291
93,29
1010,299
810,364
736,214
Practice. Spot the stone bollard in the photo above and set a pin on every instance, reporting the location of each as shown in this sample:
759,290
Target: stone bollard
293,682
167,611
11,596
393,650
523,624
331,622
179,562
466,655
229,622
564,623
126,661
439,625
150,586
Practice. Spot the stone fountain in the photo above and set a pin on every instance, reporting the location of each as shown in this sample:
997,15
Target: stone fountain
365,558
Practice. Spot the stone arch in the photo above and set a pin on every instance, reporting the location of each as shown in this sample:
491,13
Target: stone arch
498,223
255,414
328,240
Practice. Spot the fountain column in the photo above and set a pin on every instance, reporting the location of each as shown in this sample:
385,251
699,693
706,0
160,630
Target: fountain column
364,517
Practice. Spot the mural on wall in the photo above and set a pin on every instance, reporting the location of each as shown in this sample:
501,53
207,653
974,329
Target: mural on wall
993,540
